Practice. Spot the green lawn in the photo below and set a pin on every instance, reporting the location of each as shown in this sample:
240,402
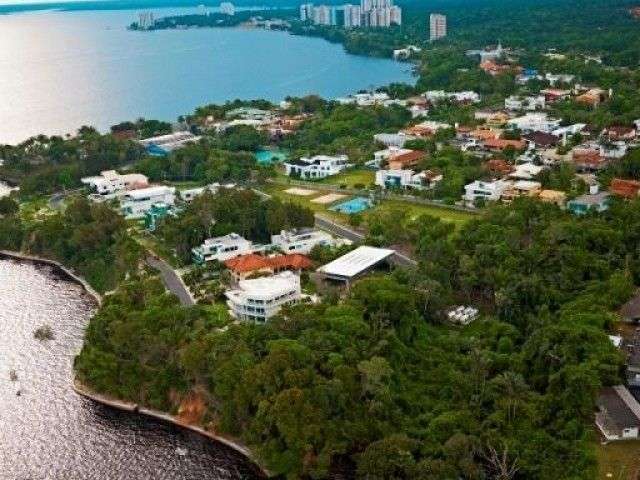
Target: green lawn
414,210
351,178
618,460
449,215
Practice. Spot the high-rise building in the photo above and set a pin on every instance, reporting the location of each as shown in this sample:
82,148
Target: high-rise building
322,15
437,26
396,15
306,12
352,16
145,20
227,8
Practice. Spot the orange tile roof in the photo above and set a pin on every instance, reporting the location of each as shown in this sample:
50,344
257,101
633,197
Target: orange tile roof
501,144
625,188
253,262
247,263
294,261
497,165
407,159
482,134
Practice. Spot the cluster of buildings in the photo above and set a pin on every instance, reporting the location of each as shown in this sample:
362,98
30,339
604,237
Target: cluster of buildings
370,13
265,278
275,122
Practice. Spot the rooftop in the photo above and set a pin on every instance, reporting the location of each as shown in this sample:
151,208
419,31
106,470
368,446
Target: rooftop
356,262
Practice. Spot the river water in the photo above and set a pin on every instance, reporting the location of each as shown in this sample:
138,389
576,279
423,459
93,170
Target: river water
49,432
61,70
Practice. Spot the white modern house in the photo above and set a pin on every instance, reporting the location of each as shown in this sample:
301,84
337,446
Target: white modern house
301,241
135,203
407,179
555,78
320,166
526,171
383,155
111,182
489,191
393,139
435,96
222,248
530,104
165,144
260,299
534,122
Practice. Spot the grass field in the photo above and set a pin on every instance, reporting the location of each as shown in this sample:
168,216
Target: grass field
454,216
618,460
351,178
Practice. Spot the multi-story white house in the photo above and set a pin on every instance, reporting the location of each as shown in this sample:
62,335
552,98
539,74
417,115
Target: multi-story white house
301,241
135,203
407,179
534,122
489,191
111,182
222,248
530,104
320,166
260,299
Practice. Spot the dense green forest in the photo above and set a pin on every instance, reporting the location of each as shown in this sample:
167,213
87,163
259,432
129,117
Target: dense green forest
376,384
90,238
602,27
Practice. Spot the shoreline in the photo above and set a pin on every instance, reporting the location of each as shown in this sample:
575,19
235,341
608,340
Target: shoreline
84,391
66,270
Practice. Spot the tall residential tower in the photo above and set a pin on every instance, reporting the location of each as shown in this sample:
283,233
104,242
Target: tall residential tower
437,26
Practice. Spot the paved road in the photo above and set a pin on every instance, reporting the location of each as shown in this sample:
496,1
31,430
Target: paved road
171,280
330,226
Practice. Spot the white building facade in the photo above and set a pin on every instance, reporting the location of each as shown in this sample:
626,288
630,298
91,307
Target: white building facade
135,203
320,166
301,241
260,299
222,248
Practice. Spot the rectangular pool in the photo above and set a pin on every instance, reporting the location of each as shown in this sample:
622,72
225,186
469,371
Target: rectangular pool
355,205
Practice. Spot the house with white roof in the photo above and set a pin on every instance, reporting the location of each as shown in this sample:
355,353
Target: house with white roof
526,171
111,182
320,166
488,191
134,204
407,179
516,103
355,264
554,78
435,96
393,139
165,144
222,248
534,122
302,240
259,299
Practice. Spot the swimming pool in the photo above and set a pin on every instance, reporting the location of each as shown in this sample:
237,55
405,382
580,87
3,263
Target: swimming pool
266,157
355,205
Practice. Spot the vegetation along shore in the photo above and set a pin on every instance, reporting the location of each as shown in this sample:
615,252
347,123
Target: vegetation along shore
422,281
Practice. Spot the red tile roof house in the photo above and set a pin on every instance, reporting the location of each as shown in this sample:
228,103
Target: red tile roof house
405,160
499,144
625,188
497,166
245,266
588,159
620,133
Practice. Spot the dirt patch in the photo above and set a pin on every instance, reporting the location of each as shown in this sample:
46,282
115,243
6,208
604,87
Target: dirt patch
192,408
330,198
300,192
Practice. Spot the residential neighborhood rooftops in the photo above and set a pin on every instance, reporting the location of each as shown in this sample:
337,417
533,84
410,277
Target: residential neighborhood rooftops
625,188
619,412
356,262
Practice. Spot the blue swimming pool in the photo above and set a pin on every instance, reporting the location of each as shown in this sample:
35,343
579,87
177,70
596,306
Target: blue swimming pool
267,157
355,205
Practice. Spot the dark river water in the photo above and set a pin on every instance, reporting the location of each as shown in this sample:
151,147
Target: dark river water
49,432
